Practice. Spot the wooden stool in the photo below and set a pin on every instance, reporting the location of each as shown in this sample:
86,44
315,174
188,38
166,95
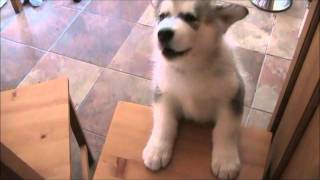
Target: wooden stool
128,134
35,124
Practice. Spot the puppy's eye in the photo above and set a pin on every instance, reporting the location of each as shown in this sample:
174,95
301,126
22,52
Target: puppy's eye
163,15
188,17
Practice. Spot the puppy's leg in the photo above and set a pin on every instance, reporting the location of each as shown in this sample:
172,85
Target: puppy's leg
225,157
158,150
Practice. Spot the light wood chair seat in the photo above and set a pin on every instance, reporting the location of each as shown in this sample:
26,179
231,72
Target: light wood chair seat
130,128
35,124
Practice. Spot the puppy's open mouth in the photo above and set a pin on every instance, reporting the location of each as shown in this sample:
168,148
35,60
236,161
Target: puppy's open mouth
170,53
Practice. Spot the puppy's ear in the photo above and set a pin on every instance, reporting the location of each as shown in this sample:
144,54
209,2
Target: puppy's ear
228,14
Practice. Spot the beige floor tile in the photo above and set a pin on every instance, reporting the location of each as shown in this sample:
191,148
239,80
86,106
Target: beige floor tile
81,75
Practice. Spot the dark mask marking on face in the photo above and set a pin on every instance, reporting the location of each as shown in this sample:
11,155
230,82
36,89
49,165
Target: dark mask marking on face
190,19
162,16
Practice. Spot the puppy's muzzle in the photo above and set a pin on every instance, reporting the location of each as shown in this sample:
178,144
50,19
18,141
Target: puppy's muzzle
165,36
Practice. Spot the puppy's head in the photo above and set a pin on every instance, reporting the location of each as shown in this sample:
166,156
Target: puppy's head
191,27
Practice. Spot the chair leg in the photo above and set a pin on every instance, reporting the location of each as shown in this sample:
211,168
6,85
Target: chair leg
17,5
77,130
84,163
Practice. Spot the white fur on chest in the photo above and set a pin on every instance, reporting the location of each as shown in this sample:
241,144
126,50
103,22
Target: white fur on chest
199,93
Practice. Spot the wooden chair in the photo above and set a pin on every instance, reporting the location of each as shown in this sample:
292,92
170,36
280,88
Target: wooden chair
17,5
35,124
121,157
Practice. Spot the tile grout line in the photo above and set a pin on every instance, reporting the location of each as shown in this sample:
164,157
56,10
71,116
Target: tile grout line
108,17
286,59
246,123
93,83
83,60
268,44
79,9
77,59
66,29
102,67
255,90
154,14
21,43
86,96
260,74
127,73
44,54
68,59
123,43
48,50
138,23
257,109
92,132
272,31
33,67
263,64
256,51
146,25
100,76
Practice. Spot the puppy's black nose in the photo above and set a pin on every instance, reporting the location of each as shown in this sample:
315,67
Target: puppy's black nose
165,35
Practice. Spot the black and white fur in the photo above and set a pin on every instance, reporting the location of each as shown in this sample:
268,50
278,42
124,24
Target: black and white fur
195,76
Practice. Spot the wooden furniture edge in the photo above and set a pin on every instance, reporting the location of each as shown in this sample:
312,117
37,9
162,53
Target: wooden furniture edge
118,109
17,6
310,26
17,165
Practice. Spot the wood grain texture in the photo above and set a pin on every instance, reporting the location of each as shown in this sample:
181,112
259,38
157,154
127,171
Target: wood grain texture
304,163
121,157
310,25
35,127
295,116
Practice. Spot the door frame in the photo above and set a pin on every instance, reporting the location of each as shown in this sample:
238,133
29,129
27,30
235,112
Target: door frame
287,130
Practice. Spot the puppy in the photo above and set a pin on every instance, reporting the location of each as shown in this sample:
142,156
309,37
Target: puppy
195,77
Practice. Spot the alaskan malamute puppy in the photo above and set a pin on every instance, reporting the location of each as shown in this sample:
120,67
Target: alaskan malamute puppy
195,77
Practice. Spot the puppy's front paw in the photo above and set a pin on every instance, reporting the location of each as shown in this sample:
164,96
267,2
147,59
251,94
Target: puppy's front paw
156,156
225,164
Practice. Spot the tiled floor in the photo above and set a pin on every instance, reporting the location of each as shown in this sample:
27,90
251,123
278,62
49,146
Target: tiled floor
104,48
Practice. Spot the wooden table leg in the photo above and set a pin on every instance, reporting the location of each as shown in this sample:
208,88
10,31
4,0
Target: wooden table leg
17,5
81,139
